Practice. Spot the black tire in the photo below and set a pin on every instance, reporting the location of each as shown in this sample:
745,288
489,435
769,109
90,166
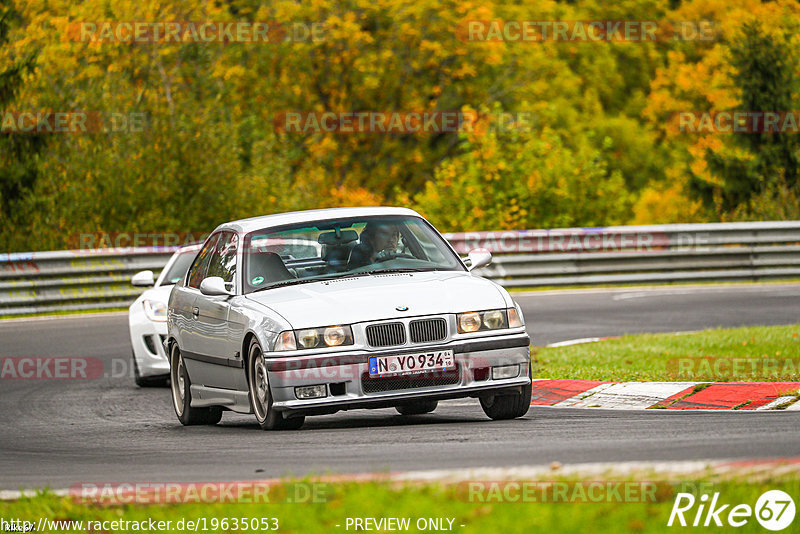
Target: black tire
261,396
417,408
180,384
158,381
501,407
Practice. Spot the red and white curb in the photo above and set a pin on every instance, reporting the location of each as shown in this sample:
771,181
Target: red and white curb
666,395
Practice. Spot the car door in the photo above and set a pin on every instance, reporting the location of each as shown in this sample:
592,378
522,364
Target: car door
184,297
218,362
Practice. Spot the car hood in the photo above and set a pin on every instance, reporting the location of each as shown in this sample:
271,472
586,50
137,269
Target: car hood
376,297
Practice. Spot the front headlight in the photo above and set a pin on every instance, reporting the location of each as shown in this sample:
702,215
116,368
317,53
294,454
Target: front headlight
155,310
469,322
309,338
487,320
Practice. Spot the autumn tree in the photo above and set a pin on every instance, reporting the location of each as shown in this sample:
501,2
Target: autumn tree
766,78
18,153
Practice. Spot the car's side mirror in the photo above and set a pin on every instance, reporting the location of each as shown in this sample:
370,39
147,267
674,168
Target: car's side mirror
214,286
478,258
143,279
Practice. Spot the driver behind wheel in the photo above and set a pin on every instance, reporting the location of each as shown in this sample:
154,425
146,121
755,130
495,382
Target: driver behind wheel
378,242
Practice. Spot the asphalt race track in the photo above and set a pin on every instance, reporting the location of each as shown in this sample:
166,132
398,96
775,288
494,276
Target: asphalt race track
60,432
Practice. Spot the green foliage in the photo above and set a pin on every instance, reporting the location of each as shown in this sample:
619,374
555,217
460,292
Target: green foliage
525,180
599,151
18,154
766,76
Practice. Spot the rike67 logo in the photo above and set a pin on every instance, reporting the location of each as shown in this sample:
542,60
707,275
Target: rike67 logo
774,510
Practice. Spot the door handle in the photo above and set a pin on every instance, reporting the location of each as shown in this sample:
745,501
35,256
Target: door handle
196,312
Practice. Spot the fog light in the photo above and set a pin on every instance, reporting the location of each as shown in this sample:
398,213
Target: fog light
505,371
311,392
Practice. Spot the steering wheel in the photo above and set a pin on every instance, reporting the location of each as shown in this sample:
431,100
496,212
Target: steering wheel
385,255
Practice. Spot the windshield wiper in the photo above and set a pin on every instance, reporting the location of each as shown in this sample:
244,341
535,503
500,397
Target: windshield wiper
400,270
307,281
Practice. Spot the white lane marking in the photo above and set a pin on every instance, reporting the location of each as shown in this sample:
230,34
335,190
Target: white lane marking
777,402
645,294
763,292
578,341
60,317
633,395
583,395
658,289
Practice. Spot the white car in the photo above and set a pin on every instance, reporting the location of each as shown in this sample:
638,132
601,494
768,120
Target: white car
147,318
313,312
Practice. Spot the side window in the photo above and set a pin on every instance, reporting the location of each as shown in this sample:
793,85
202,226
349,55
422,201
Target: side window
223,261
198,270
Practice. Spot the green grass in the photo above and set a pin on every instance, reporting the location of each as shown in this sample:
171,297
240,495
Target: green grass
763,353
646,514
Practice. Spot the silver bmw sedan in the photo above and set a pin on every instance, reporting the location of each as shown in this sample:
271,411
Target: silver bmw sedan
313,312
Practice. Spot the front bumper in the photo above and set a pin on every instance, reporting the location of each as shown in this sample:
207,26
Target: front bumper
147,341
348,385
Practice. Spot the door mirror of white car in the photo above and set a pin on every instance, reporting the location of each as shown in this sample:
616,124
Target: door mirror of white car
478,258
143,279
214,286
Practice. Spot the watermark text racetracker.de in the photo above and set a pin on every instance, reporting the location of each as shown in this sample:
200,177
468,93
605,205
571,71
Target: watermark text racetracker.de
198,31
169,493
403,122
729,368
63,368
585,31
561,491
96,242
38,122
578,240
736,122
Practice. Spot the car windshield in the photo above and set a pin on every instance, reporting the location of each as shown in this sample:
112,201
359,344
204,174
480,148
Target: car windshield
178,269
325,250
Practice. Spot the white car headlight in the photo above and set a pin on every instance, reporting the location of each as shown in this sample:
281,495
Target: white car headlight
309,338
155,310
469,322
488,320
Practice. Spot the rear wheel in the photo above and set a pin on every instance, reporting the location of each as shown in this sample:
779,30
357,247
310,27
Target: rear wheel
417,408
261,395
147,381
500,407
182,394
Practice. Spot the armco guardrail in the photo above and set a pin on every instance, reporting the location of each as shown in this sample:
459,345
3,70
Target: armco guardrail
639,254
35,282
94,279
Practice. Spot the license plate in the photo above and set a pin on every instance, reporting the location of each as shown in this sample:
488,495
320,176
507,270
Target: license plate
411,363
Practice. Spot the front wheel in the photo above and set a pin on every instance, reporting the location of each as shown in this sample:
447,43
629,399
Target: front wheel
182,394
500,407
261,395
